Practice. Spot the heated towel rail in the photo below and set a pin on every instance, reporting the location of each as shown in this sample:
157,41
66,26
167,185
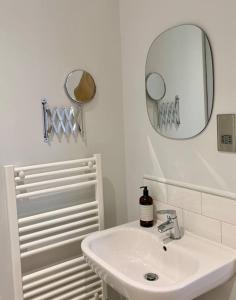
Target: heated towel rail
38,233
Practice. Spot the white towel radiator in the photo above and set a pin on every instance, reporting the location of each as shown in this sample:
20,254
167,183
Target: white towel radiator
36,234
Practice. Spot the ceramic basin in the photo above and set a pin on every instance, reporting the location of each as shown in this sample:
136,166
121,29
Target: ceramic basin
186,268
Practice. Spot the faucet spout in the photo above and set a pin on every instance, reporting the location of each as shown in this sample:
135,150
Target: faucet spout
170,225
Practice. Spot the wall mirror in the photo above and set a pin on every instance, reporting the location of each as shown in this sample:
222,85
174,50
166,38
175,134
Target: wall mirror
179,82
80,86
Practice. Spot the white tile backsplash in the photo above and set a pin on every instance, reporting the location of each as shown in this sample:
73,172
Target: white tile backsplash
157,190
213,217
184,198
161,205
229,235
219,208
203,226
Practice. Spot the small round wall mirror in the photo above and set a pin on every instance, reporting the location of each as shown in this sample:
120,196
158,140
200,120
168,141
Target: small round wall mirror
155,86
80,86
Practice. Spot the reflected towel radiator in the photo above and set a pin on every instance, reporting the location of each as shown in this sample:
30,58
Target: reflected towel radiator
38,233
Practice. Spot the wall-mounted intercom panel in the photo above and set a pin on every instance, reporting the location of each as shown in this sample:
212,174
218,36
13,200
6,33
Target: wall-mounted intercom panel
226,132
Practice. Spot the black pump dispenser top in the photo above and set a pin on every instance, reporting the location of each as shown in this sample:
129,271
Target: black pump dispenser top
145,190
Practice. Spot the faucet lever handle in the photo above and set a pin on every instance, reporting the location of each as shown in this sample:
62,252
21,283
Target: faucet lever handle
170,212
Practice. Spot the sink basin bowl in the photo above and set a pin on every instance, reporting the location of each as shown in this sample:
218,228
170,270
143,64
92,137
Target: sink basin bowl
186,268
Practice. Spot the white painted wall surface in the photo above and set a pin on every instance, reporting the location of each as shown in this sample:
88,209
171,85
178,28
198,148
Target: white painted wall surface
197,160
41,41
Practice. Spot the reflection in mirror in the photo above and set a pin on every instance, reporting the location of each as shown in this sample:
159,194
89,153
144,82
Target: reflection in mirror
80,86
182,56
155,86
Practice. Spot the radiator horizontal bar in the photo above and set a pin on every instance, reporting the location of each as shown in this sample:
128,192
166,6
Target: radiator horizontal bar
56,267
65,188
52,181
55,164
56,237
57,228
39,225
57,283
57,212
54,276
86,295
57,172
80,290
52,246
93,298
99,297
70,286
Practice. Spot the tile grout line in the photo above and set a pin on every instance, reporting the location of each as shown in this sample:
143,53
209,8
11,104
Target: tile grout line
167,194
221,236
201,203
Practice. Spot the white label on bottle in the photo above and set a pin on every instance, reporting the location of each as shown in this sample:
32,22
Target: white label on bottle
146,212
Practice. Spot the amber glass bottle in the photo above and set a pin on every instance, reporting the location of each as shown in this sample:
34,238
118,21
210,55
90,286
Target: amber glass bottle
146,208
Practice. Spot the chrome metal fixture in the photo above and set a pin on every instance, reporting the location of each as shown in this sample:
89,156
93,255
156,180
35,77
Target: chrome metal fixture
171,224
168,114
63,120
151,276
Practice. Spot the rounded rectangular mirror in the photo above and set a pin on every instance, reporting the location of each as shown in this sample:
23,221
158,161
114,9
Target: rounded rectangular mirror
179,82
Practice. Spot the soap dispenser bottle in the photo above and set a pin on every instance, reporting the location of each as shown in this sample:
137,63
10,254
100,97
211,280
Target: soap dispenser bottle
146,208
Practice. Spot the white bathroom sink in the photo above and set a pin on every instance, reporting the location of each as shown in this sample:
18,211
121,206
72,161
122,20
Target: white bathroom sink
186,268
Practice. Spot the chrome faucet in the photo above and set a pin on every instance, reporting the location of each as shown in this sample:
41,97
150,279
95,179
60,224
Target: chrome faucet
171,224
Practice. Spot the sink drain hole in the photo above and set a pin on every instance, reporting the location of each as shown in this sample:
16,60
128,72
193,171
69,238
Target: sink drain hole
151,276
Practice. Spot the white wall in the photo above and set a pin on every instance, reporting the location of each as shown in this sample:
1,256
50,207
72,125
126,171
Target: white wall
41,41
197,160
